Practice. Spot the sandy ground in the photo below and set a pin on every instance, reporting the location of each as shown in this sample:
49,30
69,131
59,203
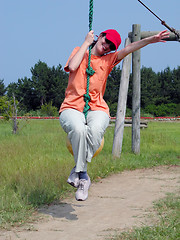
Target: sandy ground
114,204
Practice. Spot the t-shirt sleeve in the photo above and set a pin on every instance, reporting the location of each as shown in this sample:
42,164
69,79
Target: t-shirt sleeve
66,68
113,57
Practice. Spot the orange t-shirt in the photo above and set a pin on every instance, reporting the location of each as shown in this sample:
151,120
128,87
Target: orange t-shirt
77,84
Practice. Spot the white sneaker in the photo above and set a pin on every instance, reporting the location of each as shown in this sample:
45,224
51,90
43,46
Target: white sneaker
82,192
73,178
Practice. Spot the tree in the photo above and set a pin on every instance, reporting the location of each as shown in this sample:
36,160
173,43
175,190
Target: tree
49,83
165,80
2,88
60,84
149,87
24,92
46,85
12,88
41,79
112,89
6,107
175,91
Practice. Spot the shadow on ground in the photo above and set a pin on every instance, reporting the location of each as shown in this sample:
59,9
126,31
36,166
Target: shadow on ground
61,210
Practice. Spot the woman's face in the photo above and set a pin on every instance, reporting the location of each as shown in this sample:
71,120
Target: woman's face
103,46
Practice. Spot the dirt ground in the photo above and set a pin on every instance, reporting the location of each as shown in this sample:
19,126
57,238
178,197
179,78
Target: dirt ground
114,204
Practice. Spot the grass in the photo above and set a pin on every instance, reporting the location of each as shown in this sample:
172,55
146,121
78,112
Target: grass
167,225
35,163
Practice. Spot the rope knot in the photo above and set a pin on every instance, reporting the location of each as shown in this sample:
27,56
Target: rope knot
90,71
87,98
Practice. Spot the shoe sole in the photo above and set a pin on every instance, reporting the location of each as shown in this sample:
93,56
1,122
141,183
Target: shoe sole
72,184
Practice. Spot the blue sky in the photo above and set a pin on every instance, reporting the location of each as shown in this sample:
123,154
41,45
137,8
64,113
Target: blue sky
48,30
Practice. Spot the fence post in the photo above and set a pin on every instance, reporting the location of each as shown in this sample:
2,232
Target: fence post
121,108
136,78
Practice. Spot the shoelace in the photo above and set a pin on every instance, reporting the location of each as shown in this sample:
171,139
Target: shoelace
81,184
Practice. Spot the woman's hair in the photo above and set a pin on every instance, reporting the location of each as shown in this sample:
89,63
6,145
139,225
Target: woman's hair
112,46
94,43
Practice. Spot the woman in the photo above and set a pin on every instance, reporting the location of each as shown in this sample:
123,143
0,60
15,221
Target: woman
86,133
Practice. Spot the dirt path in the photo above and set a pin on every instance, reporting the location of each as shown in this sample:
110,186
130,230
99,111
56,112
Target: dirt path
114,204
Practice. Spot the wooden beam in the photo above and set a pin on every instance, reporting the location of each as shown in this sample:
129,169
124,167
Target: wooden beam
172,36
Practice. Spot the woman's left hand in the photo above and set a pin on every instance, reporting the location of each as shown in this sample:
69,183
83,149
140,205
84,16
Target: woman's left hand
160,36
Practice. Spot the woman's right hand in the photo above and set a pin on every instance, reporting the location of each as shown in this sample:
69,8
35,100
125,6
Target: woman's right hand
90,37
76,60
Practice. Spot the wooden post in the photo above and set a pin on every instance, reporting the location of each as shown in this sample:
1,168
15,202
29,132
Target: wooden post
136,36
121,108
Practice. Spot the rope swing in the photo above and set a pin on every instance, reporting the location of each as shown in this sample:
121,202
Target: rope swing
89,69
87,97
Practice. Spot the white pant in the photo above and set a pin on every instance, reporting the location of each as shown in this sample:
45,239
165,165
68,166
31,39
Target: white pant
85,135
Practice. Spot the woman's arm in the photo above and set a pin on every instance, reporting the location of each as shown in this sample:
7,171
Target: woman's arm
142,43
77,58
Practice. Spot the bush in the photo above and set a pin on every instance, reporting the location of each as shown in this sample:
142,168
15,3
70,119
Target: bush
112,108
170,109
36,113
7,109
49,110
128,112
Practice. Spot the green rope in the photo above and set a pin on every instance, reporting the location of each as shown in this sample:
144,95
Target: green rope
89,69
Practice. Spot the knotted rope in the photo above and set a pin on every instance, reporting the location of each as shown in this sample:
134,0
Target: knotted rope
89,69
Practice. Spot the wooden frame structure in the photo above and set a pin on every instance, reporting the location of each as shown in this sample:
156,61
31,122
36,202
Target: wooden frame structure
133,36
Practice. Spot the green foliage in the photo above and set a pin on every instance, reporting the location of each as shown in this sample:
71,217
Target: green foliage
113,108
13,208
6,107
49,110
149,87
2,88
170,109
128,112
48,84
112,90
160,88
159,91
36,113
24,92
170,85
